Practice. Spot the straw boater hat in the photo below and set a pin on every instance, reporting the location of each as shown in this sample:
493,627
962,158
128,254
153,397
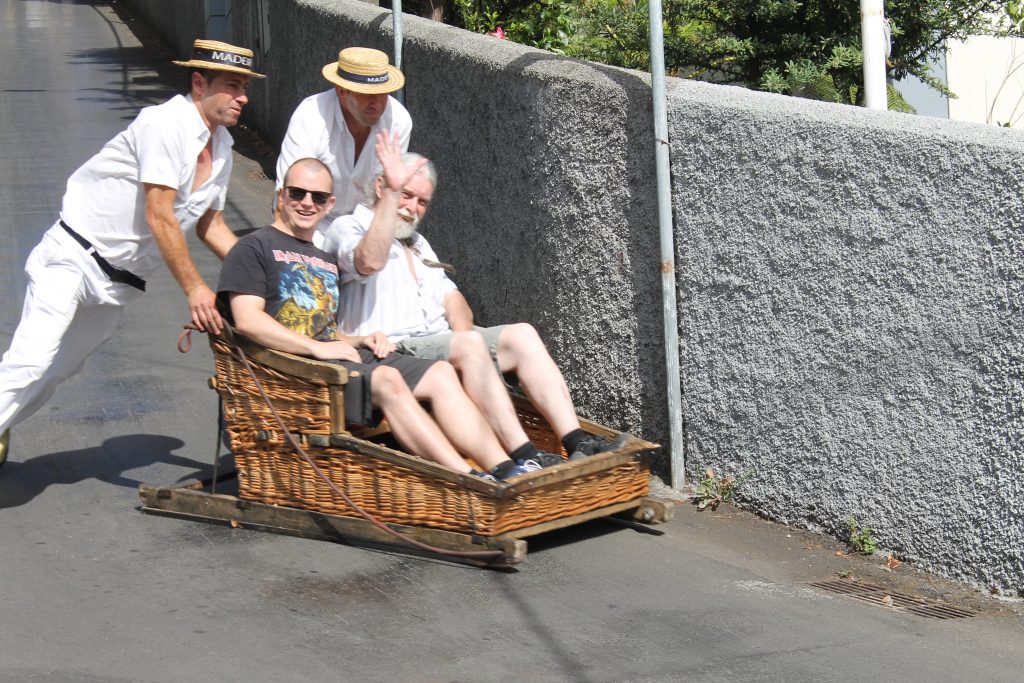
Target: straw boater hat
213,54
363,70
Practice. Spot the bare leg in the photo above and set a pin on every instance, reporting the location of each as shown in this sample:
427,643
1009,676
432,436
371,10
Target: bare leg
411,424
521,350
458,417
469,354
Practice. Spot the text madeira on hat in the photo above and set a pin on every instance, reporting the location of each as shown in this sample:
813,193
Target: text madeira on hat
364,70
213,54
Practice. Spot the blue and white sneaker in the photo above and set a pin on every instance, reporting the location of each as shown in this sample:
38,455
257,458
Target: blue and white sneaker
525,466
483,475
520,470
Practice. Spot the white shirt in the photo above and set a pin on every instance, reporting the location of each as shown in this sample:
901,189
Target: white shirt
391,300
105,201
317,129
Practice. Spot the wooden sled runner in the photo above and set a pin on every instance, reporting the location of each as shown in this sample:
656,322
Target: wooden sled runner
374,489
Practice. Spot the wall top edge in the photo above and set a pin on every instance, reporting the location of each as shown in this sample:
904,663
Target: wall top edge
502,55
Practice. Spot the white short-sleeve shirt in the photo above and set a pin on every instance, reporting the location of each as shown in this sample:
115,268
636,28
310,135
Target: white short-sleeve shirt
393,300
105,199
317,129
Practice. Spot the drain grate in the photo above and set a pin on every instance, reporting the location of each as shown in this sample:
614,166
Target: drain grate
877,595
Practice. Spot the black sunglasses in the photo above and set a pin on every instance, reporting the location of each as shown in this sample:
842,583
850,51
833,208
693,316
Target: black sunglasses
297,194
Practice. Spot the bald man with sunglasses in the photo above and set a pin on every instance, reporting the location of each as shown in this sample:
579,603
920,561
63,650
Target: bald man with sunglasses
281,291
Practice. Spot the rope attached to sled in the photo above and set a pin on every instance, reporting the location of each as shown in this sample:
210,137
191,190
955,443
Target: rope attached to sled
185,343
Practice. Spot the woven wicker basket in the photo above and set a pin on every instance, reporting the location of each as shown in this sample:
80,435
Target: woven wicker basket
393,486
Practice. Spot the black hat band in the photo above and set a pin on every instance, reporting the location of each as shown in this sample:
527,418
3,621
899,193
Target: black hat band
365,80
222,57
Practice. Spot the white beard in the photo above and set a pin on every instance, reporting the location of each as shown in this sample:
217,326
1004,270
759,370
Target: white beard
406,229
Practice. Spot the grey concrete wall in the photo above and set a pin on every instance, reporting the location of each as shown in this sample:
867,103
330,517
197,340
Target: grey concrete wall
851,328
849,281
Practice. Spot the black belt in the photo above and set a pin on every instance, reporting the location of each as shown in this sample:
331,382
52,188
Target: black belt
113,272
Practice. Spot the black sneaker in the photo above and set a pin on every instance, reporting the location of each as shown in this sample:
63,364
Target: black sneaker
543,459
594,444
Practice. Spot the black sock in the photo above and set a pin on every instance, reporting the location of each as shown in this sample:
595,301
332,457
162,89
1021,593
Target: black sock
573,439
524,452
501,472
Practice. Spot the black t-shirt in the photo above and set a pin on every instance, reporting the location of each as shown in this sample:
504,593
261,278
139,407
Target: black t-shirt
298,281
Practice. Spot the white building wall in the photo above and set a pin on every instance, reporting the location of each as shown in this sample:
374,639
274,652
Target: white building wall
987,76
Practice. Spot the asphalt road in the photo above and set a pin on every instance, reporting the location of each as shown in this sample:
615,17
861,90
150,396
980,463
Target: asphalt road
94,590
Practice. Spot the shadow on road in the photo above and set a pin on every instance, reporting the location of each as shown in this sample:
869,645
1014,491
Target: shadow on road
20,482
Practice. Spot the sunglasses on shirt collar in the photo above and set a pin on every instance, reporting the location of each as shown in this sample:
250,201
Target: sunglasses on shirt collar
297,194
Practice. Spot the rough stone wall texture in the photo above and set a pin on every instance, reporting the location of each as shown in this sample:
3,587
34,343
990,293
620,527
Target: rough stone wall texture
850,282
851,292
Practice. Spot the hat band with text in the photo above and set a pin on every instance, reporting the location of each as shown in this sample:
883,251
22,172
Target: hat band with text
221,57
360,78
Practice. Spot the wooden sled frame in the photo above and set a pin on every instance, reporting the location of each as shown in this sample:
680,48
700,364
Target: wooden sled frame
317,421
192,502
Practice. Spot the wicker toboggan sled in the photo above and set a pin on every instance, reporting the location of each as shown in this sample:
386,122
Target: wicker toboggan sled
375,490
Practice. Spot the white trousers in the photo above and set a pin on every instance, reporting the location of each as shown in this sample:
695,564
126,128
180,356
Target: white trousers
71,307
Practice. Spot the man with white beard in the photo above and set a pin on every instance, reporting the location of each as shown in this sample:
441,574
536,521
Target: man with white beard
393,282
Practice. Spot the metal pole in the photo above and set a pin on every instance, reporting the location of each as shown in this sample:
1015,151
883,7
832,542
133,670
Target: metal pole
668,255
872,26
396,17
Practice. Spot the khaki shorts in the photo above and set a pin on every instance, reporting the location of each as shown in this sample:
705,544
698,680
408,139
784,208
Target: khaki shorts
435,347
